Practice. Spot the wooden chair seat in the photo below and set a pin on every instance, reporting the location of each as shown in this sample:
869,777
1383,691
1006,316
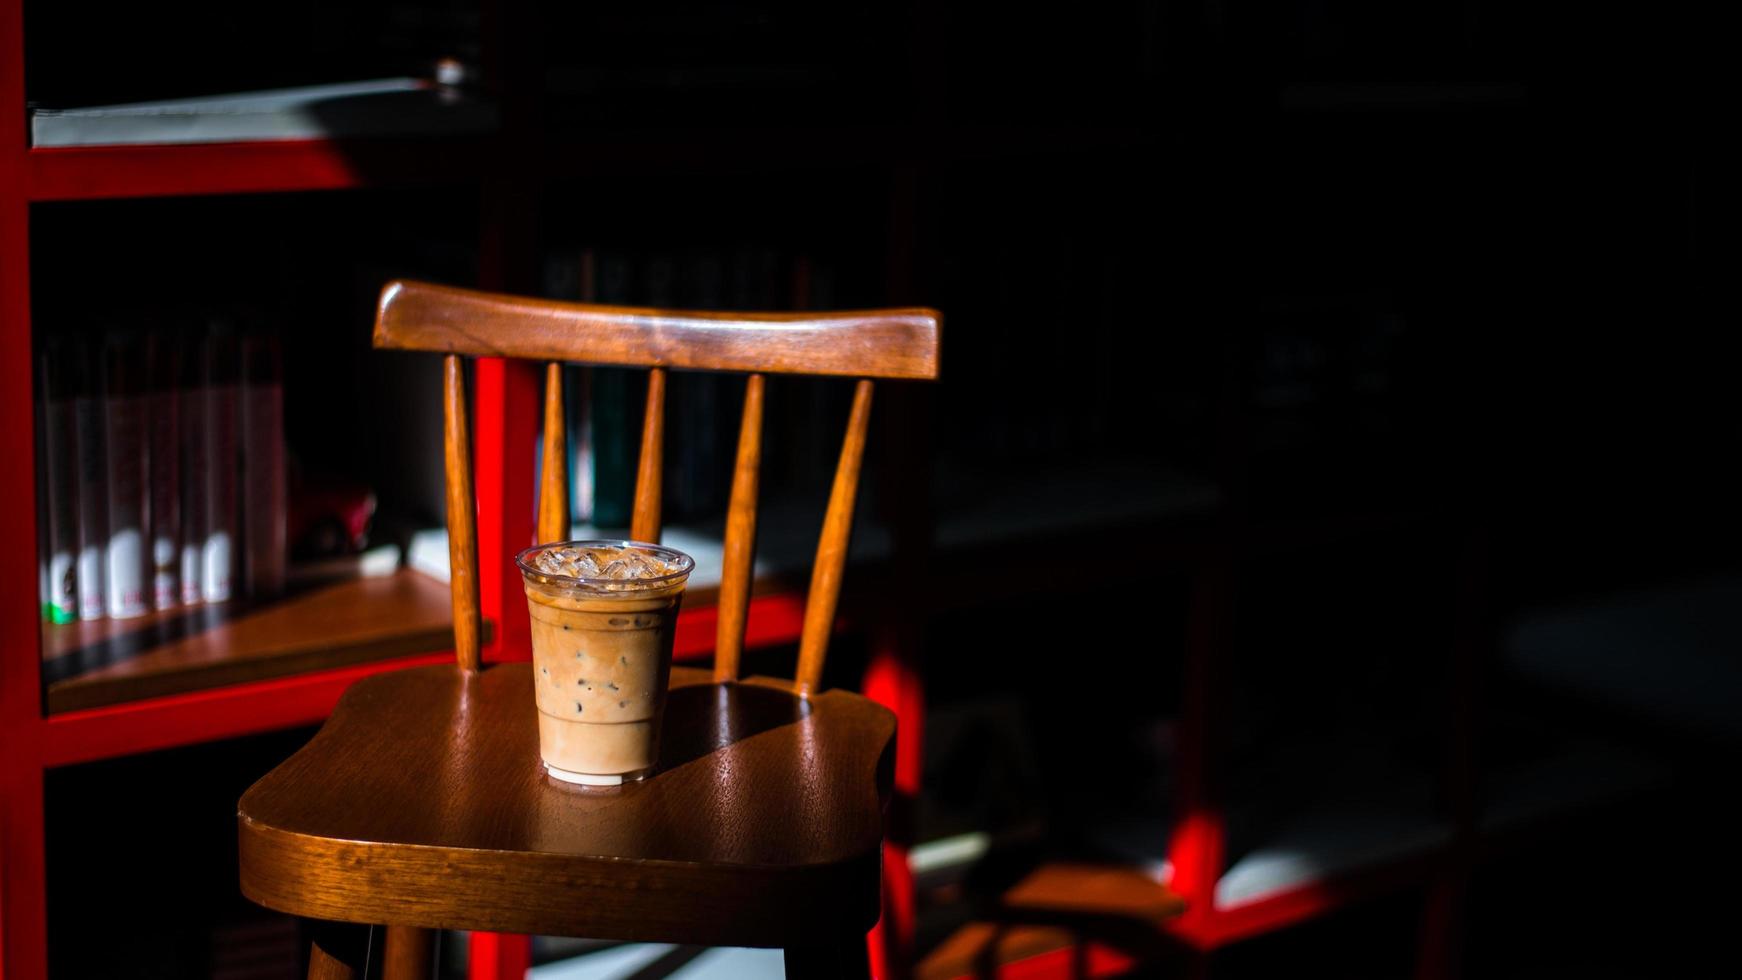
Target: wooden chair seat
422,803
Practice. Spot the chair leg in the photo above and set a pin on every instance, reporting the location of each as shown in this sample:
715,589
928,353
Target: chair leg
843,959
339,951
408,954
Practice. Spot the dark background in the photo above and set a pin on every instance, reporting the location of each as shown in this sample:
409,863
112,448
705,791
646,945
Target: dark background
1394,277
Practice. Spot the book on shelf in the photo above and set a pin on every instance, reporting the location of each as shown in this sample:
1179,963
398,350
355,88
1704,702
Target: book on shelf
44,591
574,276
611,409
124,445
162,471
659,287
93,499
223,454
163,463
699,408
59,468
192,417
263,475
578,382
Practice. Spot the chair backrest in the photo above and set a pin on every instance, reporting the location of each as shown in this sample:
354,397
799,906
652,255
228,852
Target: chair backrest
863,344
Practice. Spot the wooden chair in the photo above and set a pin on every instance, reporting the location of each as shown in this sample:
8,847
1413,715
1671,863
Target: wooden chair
421,805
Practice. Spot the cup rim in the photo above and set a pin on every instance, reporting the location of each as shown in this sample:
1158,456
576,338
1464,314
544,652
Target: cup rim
685,563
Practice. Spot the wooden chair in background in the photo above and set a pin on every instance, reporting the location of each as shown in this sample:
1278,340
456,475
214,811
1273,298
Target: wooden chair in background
421,805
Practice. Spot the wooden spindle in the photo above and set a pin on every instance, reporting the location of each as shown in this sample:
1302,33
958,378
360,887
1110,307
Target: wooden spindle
408,953
825,593
339,951
462,516
553,490
734,604
644,524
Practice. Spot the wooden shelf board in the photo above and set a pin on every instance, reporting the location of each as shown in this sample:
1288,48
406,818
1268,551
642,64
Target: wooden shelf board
1008,952
106,662
1089,915
1060,926
76,173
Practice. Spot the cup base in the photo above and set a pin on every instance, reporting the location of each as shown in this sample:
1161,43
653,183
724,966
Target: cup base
591,779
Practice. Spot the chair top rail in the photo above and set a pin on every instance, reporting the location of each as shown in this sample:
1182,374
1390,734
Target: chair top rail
892,343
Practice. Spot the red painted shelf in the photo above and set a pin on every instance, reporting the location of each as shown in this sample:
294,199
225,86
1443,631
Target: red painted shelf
774,620
78,173
190,718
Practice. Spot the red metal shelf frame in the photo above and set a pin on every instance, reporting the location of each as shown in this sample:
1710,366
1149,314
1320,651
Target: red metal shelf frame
78,173
176,720
23,924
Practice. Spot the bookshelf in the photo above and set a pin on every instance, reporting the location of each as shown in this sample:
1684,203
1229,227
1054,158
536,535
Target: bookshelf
111,689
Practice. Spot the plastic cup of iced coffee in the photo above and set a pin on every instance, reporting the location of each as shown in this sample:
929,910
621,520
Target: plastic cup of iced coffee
603,615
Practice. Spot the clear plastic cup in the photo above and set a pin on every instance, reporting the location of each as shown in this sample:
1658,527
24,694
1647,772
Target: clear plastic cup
601,653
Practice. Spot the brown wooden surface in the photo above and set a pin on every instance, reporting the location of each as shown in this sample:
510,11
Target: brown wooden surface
346,622
408,953
462,515
899,343
1059,906
553,487
323,965
421,802
1095,890
825,591
644,522
338,951
979,948
740,543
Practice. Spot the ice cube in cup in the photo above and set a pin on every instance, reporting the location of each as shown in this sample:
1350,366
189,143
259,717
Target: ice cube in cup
640,566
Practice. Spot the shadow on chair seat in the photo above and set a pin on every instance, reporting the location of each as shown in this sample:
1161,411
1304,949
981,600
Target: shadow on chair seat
701,719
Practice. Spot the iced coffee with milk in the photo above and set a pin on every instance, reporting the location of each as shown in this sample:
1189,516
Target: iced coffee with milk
603,616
